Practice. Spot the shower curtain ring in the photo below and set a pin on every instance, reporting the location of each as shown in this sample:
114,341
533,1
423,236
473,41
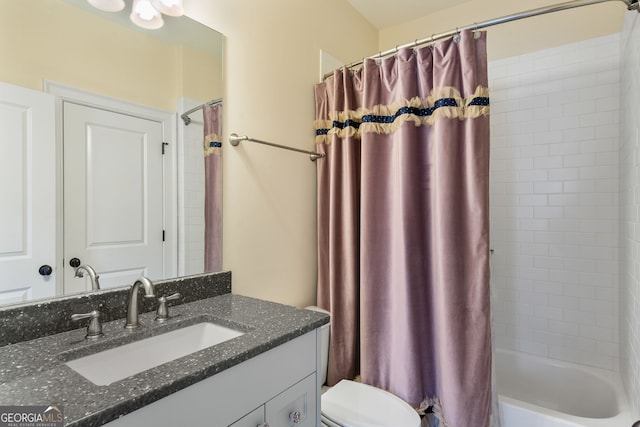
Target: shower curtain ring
476,33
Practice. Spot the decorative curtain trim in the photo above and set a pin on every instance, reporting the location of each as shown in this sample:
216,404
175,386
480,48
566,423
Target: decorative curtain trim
436,408
444,102
212,145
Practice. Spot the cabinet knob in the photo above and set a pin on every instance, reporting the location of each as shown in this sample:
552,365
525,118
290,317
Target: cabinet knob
295,417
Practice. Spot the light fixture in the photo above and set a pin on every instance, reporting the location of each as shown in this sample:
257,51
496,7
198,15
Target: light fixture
144,15
169,7
108,5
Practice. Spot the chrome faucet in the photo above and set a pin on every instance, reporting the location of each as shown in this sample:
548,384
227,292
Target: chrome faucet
132,310
95,285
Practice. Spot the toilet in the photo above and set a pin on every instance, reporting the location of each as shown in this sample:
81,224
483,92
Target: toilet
355,404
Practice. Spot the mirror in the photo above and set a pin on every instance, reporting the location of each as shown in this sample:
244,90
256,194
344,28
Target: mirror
171,70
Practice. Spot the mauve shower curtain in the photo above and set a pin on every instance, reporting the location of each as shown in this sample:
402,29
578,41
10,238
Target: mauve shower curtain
403,226
212,115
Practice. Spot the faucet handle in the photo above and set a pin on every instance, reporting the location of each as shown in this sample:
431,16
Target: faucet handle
162,314
94,330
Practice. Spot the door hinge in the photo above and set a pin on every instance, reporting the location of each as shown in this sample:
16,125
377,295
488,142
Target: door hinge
163,235
164,144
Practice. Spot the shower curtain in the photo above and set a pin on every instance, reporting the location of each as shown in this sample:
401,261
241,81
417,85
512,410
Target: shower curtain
403,226
212,115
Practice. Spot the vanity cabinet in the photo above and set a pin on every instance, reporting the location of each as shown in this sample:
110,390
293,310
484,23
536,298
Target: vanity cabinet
295,406
278,387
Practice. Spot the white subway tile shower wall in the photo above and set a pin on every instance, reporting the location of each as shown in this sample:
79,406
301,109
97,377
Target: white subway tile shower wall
554,201
194,195
629,209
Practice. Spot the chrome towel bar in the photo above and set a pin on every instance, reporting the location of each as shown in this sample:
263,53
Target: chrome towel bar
235,139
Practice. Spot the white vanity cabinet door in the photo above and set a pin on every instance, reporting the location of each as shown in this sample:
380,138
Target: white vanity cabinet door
294,407
252,419
296,403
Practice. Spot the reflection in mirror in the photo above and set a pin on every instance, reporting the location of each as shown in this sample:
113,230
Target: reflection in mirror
96,164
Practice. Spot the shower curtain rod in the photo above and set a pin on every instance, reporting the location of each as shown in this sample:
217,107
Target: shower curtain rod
235,139
185,116
631,5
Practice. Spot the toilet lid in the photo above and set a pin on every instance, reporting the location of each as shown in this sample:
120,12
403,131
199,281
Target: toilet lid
353,404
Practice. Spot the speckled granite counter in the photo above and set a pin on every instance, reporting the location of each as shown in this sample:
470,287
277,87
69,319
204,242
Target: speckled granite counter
33,372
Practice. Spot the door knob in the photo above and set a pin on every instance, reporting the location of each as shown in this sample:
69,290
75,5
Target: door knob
74,262
45,270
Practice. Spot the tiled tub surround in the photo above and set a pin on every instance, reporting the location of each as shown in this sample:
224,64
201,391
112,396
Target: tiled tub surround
34,372
554,201
47,317
630,209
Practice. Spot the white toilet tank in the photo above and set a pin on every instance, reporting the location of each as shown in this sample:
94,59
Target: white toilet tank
324,343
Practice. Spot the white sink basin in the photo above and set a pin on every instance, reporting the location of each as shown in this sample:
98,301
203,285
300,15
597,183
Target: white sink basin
121,362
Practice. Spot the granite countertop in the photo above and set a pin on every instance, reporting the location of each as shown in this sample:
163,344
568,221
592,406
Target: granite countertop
34,372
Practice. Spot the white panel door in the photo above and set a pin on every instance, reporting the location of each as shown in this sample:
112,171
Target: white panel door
27,194
113,196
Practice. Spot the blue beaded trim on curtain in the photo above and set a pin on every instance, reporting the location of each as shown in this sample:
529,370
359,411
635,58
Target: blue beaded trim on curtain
212,145
403,111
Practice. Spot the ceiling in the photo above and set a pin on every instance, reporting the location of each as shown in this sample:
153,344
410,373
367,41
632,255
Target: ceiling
387,13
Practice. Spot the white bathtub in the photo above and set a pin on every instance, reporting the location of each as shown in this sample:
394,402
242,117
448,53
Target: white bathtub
538,392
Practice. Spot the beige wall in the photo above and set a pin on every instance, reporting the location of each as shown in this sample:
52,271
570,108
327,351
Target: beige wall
514,38
201,75
271,64
51,40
